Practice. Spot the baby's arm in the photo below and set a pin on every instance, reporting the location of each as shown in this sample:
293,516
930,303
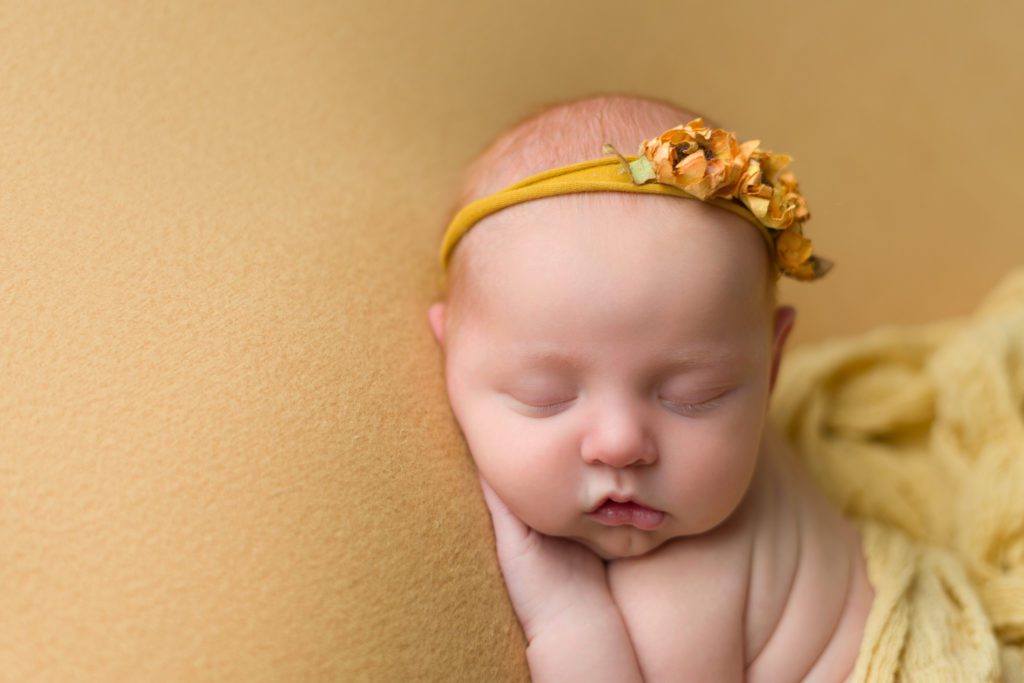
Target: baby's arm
683,605
585,644
560,593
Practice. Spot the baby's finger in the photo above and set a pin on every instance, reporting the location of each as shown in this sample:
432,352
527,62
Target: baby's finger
496,505
506,524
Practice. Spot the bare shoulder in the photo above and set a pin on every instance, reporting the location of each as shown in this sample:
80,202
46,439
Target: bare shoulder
809,595
684,604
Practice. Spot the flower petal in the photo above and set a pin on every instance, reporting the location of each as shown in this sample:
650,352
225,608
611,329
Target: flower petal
707,162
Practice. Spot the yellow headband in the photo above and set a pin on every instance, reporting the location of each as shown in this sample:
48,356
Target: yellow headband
688,161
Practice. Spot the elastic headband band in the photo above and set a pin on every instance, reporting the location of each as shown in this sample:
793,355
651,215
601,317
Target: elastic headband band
596,175
689,161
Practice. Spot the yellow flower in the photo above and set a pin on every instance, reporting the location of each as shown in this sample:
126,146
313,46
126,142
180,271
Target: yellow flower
701,161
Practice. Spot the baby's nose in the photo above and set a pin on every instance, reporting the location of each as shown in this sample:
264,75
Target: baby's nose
618,440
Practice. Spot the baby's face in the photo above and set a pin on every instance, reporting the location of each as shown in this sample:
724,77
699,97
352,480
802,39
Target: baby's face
617,352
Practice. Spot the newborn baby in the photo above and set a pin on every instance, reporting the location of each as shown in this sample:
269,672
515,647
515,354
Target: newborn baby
609,358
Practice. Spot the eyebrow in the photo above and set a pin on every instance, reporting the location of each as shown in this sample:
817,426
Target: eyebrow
676,361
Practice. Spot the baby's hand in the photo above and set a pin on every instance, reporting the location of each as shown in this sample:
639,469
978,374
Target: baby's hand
546,577
559,590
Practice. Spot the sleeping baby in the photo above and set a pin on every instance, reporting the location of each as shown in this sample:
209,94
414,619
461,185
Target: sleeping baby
610,352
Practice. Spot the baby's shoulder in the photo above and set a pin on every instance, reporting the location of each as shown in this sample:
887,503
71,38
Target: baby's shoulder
808,595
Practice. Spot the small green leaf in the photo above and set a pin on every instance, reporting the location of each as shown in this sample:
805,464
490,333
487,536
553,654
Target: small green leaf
641,170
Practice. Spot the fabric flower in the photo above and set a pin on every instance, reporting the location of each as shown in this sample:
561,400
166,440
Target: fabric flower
793,252
793,248
701,161
791,187
770,195
710,163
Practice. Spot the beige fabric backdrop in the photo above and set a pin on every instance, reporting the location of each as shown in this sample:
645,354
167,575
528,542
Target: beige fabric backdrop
225,451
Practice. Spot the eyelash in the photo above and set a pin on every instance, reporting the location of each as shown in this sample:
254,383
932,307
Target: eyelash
696,407
686,407
550,406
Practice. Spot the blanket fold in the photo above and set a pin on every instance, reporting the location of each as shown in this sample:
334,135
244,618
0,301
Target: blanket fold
917,434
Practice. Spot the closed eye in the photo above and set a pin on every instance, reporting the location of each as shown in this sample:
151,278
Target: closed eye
700,407
687,408
538,409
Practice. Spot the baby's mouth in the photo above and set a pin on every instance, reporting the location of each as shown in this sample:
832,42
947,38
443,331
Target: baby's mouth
617,513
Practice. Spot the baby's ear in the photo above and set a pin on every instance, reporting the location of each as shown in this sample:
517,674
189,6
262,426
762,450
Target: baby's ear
436,317
785,316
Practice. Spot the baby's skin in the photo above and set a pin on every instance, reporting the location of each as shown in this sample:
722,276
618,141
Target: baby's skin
779,592
611,374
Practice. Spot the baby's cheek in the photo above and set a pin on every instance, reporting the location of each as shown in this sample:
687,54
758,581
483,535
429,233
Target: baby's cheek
535,478
728,477
708,479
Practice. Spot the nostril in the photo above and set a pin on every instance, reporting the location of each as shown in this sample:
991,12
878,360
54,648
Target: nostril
621,461
618,445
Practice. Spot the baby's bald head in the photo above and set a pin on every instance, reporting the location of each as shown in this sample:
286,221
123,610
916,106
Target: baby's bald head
568,133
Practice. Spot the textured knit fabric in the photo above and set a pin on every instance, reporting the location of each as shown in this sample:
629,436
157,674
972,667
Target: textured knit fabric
917,434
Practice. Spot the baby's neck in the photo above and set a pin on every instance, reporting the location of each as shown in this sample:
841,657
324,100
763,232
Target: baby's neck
808,588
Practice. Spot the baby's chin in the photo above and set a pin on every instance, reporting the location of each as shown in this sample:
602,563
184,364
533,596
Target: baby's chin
627,542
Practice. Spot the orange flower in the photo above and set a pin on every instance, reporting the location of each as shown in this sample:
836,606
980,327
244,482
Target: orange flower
773,198
708,163
792,188
701,161
794,255
792,248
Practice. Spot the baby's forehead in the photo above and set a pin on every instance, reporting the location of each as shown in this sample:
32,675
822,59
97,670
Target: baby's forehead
612,239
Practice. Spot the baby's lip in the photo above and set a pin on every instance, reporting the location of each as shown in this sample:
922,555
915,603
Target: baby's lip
615,510
618,498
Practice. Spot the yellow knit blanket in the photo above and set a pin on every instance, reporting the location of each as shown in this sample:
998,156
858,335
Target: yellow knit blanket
917,434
